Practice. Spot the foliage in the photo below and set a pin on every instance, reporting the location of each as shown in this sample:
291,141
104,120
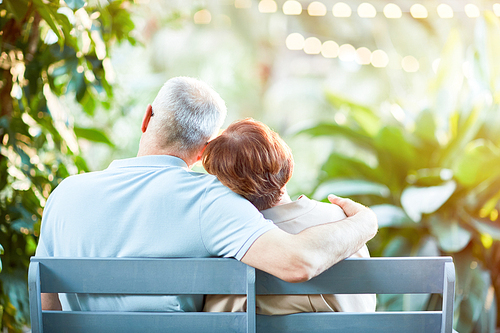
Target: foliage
50,50
432,179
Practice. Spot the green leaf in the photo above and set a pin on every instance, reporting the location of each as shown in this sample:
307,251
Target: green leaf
81,164
463,130
347,188
75,4
425,200
472,285
93,134
14,284
340,166
333,130
429,176
399,246
425,126
449,78
48,15
398,153
428,247
451,236
485,227
367,119
88,104
479,161
18,8
391,216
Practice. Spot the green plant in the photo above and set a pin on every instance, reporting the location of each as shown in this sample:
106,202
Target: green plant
432,179
48,49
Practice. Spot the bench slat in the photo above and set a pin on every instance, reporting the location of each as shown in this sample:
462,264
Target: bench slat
144,322
379,322
152,276
394,276
146,276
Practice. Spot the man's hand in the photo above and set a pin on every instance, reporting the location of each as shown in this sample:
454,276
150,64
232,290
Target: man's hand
297,258
356,210
349,207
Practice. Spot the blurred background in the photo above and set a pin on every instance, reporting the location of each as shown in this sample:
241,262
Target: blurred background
395,105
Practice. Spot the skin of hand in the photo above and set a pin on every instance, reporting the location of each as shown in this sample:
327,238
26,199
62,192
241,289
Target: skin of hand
300,257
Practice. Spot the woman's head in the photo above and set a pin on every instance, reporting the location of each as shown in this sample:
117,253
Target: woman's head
251,160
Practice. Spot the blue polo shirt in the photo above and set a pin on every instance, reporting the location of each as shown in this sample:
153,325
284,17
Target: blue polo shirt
149,206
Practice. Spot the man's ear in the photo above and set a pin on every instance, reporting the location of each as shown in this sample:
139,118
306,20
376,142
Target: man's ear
200,154
147,118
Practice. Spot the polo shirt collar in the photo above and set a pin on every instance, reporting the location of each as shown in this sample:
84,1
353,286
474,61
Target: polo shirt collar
150,161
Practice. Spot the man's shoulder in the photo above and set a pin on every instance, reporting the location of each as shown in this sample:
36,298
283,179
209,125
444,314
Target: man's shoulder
81,178
211,182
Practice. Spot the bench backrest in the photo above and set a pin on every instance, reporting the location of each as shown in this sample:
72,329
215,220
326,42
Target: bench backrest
154,276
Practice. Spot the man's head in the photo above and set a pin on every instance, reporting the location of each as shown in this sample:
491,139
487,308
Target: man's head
252,161
185,114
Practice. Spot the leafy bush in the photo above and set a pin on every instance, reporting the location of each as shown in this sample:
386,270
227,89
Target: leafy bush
433,179
48,49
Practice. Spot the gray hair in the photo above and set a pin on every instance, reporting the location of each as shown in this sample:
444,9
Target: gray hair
187,113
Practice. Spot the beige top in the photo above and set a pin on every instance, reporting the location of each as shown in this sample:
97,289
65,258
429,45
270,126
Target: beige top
293,218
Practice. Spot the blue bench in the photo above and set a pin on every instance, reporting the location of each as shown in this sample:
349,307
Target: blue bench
228,276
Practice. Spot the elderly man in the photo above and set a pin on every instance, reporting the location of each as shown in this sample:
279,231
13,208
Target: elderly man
154,206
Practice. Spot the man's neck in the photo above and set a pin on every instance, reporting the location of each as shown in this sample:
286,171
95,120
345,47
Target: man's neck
170,152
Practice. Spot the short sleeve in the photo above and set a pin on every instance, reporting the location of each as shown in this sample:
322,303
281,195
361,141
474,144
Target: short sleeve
229,224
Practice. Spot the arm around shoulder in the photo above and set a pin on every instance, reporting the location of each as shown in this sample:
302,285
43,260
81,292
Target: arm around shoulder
300,257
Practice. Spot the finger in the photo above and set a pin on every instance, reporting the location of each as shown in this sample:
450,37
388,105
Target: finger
338,200
332,198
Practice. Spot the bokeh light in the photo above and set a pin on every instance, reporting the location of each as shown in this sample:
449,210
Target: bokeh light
363,56
418,11
472,11
330,49
202,17
243,3
347,52
341,9
392,10
268,6
410,64
295,41
312,45
445,11
379,59
366,10
496,9
292,8
316,8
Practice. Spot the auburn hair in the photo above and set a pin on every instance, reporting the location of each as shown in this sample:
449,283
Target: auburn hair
252,160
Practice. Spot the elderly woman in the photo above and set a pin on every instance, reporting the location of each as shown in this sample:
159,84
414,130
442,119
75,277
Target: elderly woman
256,163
